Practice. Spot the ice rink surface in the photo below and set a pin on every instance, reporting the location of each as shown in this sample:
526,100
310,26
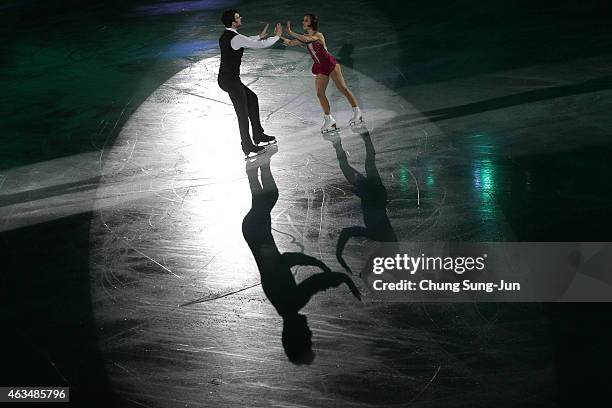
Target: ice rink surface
168,231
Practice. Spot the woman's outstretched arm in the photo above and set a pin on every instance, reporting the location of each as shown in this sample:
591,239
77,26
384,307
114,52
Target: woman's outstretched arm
289,42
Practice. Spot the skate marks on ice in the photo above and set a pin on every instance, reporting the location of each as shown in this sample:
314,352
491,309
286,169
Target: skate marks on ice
168,230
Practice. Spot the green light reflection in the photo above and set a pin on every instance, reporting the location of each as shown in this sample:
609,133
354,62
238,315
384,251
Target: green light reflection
485,183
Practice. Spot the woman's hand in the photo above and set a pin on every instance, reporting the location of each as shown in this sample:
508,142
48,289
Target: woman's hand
278,31
289,27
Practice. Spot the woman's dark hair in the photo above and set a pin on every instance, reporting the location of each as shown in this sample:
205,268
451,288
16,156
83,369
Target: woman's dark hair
228,17
314,21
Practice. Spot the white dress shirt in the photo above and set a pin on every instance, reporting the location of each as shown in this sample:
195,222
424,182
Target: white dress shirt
241,41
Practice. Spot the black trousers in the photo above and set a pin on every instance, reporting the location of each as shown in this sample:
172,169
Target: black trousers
246,106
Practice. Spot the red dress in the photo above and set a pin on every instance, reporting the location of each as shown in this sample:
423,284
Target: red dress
324,63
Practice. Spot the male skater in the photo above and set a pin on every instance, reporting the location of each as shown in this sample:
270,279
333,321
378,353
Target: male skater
245,101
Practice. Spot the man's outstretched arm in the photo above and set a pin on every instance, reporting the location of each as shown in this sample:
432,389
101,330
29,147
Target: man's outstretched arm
241,41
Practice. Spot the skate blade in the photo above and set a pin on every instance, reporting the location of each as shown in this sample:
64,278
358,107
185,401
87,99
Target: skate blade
253,155
267,143
334,129
263,155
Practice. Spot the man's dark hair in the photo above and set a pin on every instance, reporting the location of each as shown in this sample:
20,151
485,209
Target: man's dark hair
228,17
314,21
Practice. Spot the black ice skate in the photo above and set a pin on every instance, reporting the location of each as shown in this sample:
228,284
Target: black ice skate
264,140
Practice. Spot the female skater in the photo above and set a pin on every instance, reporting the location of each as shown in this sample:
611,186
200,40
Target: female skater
324,67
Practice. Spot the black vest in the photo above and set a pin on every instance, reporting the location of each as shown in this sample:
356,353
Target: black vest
230,58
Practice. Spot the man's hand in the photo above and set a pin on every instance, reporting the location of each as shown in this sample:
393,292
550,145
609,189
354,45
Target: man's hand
289,26
264,32
278,31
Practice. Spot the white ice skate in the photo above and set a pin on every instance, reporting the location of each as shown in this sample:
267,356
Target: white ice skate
357,119
329,125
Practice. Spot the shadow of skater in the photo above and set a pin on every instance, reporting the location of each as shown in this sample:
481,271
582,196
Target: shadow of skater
372,193
277,281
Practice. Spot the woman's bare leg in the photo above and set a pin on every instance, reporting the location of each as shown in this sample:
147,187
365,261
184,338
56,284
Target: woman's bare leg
338,78
321,82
